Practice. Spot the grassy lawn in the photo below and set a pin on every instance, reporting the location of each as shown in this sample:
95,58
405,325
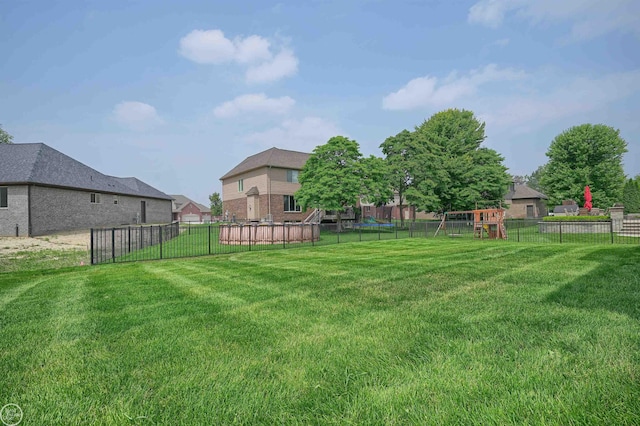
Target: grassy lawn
413,331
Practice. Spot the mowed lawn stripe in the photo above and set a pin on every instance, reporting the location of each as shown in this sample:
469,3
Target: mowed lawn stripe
59,367
393,332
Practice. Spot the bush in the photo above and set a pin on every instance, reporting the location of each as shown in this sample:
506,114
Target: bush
575,218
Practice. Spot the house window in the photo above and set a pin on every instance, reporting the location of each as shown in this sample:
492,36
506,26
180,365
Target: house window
240,185
115,199
292,176
95,198
4,197
290,204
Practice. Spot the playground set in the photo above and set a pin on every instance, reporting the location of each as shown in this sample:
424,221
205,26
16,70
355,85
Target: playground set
487,223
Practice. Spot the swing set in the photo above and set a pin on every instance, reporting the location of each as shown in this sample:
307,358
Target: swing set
487,223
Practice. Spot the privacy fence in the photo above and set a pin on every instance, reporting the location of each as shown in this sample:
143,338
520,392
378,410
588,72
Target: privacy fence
133,243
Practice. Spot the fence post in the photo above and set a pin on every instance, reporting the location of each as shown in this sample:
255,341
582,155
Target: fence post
160,239
312,240
518,230
129,240
209,238
250,229
113,244
92,262
560,223
611,229
395,226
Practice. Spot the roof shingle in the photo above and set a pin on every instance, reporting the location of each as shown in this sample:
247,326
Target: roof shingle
38,163
272,157
522,191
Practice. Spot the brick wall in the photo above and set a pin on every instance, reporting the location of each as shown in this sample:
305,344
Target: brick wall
239,208
16,213
518,208
57,209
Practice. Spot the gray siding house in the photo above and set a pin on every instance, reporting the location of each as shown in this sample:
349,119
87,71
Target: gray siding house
43,191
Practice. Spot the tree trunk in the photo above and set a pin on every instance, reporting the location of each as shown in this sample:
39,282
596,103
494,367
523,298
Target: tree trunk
338,221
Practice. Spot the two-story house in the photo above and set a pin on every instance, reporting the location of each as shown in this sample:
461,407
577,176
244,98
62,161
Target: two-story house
262,187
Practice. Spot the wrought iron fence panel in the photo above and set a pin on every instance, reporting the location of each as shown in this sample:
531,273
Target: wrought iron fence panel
134,243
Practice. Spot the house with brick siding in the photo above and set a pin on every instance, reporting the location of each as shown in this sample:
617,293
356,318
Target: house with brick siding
43,191
524,202
262,187
187,210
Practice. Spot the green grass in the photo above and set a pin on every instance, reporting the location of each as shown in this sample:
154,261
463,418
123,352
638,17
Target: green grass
414,331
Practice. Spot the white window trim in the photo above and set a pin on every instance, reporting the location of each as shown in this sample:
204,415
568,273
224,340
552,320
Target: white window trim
295,204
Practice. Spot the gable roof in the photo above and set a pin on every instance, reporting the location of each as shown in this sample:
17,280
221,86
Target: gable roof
38,163
272,157
522,191
180,202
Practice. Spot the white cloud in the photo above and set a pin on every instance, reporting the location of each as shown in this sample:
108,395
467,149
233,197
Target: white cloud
588,18
299,135
575,98
207,47
285,64
212,47
252,49
426,91
257,102
490,12
136,115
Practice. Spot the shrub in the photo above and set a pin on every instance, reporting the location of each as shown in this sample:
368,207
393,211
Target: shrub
575,218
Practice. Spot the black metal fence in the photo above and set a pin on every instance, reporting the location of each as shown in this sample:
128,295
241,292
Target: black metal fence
133,243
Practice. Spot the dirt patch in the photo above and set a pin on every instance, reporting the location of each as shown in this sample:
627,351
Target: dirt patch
66,241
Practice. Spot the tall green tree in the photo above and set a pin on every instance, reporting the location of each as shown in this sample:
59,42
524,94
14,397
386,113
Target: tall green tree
399,154
519,179
216,204
336,175
450,169
4,136
585,155
631,196
376,188
533,180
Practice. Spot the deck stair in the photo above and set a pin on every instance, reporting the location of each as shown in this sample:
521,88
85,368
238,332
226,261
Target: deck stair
314,217
630,228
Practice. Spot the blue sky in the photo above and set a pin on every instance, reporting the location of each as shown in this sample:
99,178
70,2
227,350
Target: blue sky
177,93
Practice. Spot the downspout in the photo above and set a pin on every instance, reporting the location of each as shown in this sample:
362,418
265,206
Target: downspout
269,190
28,210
